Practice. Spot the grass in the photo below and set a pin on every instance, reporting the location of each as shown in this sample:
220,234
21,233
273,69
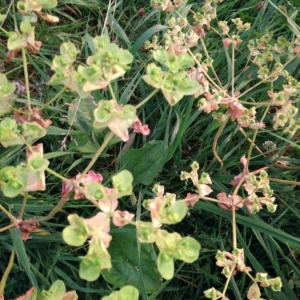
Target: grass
271,241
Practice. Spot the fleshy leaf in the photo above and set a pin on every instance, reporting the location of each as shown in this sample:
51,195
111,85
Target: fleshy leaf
33,131
174,213
187,249
122,182
165,265
127,292
76,233
9,133
94,191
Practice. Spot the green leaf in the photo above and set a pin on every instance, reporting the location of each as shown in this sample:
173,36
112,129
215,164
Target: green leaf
9,133
76,233
32,131
165,265
14,41
127,292
122,182
174,213
47,3
57,290
14,180
94,191
103,114
88,270
187,250
127,268
145,163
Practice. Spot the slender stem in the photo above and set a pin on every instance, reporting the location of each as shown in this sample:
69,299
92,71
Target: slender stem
254,103
13,219
206,74
212,67
288,145
55,210
7,227
254,137
21,213
251,146
249,140
112,92
208,199
234,239
54,98
6,272
216,140
26,79
147,99
97,154
232,71
277,165
227,281
58,175
285,181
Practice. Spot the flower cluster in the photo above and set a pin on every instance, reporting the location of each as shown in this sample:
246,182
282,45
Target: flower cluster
96,228
164,209
107,63
232,262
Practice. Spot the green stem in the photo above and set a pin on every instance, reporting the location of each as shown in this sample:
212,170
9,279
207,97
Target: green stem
147,99
232,71
254,137
212,67
58,175
216,140
21,213
219,88
285,181
13,219
7,227
97,154
227,281
26,79
6,272
55,210
112,92
234,239
54,98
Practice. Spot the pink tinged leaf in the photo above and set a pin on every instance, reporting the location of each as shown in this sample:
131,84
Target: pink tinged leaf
116,126
27,295
138,127
91,176
154,207
36,180
66,189
191,199
226,43
230,201
253,292
203,190
241,176
122,218
37,117
99,227
108,206
236,110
